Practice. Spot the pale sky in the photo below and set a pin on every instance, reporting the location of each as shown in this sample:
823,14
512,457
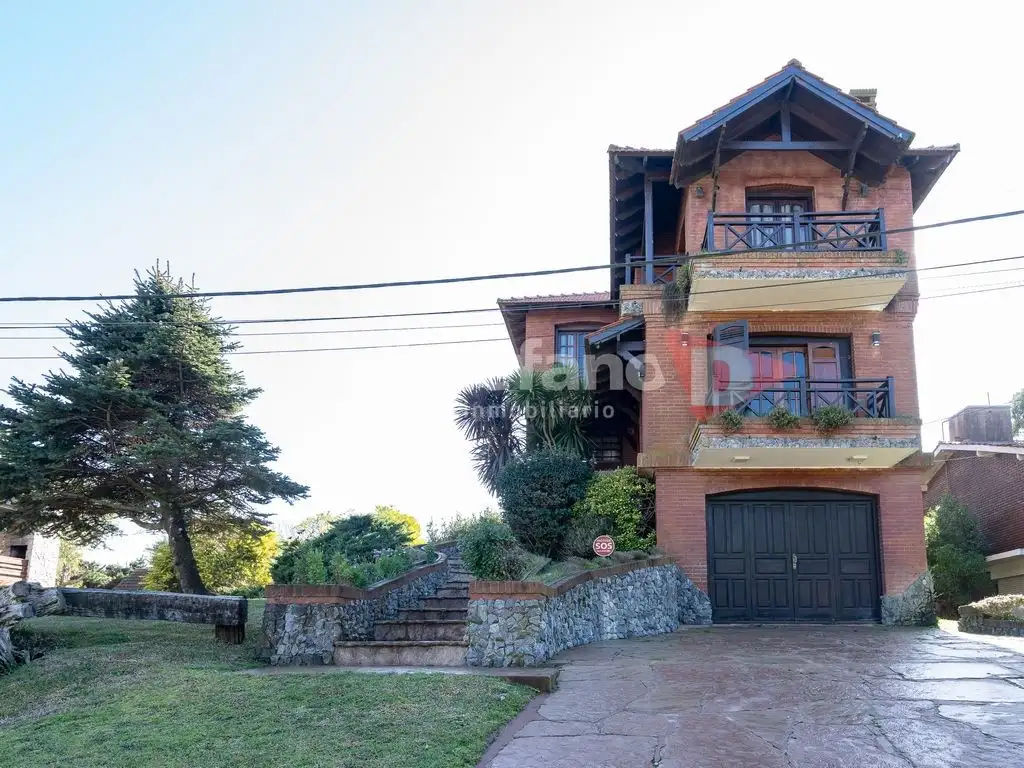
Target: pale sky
282,144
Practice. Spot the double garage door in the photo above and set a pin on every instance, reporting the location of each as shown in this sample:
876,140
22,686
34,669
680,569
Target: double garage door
792,556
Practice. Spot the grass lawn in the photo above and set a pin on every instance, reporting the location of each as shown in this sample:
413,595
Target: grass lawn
120,693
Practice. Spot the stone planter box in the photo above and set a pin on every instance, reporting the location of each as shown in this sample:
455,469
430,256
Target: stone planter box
524,623
302,622
973,620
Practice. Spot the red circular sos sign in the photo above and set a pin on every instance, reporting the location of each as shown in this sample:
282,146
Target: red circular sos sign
604,546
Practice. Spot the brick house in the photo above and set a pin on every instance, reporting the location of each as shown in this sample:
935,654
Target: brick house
778,217
982,466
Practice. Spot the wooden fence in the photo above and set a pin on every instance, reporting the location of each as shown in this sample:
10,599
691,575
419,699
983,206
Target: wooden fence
12,569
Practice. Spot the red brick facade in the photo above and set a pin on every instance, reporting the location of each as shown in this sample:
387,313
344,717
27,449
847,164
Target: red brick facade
880,344
992,487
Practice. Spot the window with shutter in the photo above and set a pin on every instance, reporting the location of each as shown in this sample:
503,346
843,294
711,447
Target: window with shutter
728,366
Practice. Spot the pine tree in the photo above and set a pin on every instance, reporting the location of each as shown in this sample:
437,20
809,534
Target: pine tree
147,425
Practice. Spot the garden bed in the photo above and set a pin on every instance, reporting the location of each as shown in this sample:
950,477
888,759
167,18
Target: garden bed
996,615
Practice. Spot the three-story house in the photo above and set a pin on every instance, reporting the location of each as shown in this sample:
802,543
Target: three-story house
755,355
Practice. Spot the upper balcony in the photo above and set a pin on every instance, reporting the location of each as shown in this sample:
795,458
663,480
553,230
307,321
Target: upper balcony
800,262
872,436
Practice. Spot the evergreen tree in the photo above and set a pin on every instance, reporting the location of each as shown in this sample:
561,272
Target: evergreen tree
147,426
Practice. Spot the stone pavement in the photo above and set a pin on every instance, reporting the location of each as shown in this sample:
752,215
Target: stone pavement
860,696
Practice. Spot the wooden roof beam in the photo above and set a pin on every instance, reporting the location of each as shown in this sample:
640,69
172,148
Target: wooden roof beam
850,163
716,166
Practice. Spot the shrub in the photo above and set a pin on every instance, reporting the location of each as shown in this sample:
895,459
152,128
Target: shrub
311,568
1001,606
538,492
829,418
230,562
452,528
490,551
731,421
579,537
955,555
624,499
357,538
780,418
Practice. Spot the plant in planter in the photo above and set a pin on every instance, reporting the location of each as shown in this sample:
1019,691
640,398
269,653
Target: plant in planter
731,421
829,418
676,294
780,418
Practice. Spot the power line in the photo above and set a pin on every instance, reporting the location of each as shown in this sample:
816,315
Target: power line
39,325
305,333
504,339
320,349
494,276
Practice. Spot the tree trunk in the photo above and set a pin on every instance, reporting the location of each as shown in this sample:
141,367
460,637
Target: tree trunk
185,566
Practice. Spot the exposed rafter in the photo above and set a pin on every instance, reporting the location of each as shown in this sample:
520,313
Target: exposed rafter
716,165
850,162
631,191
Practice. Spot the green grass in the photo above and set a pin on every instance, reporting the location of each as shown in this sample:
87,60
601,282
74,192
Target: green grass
119,693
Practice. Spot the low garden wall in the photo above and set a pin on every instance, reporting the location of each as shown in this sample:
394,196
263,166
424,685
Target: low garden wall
973,620
227,614
302,622
522,624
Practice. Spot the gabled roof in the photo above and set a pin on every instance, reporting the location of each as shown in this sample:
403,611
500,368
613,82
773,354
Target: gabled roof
819,111
513,310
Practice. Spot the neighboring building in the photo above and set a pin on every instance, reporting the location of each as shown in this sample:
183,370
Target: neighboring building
38,553
798,185
983,467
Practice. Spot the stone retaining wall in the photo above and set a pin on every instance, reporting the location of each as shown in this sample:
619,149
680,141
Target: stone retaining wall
522,624
302,621
973,620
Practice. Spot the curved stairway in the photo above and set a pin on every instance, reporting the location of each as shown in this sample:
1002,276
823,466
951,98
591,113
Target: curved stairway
433,634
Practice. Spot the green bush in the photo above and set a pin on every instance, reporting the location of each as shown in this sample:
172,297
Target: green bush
538,492
579,538
311,568
626,501
829,418
452,528
358,538
1001,606
230,562
490,551
731,421
955,551
779,417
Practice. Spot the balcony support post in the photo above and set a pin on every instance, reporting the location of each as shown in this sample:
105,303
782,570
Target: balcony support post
850,162
716,165
627,278
648,231
890,398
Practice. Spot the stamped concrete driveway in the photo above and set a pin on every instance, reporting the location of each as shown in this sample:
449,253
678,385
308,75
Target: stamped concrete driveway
859,696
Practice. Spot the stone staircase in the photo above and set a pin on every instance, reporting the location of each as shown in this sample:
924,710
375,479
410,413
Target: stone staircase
431,635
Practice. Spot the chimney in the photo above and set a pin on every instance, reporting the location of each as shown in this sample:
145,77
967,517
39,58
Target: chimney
865,95
981,424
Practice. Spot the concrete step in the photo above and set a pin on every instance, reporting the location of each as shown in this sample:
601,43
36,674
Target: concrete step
459,578
449,591
400,653
420,630
444,603
435,615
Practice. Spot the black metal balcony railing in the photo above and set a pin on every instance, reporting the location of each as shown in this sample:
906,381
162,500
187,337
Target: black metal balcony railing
866,398
818,231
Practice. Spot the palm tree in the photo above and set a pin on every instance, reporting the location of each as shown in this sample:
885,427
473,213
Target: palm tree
487,415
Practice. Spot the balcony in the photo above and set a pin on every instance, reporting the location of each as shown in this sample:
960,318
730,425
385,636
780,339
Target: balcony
796,262
873,439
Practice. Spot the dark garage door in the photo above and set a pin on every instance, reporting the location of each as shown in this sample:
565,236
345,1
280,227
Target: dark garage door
792,556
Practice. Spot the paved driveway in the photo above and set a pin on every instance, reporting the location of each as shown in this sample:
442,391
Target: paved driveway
794,696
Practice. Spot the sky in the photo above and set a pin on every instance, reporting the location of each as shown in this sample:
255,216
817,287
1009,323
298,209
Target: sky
270,144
